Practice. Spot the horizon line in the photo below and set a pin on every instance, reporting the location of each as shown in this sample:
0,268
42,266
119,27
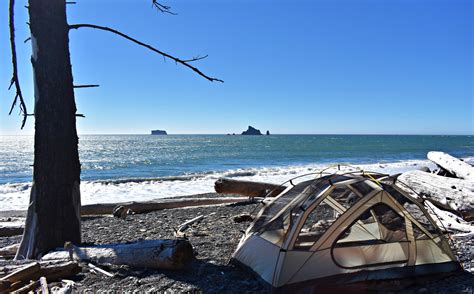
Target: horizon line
271,134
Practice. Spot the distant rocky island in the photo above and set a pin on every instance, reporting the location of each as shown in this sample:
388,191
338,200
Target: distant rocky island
159,132
251,131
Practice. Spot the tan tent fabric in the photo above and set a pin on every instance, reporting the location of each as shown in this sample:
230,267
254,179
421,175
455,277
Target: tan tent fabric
352,226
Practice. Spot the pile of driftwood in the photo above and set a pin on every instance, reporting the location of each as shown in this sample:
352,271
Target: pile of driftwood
449,188
36,276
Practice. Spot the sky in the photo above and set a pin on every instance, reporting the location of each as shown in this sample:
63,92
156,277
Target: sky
291,67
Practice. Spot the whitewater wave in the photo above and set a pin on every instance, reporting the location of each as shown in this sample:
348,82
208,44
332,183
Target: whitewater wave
14,196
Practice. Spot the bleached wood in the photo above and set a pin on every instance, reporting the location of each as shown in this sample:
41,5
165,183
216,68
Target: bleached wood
44,285
162,254
142,207
98,269
9,251
459,168
247,188
186,224
451,194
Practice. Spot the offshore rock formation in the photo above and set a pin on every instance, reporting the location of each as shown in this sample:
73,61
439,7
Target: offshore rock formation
158,132
251,131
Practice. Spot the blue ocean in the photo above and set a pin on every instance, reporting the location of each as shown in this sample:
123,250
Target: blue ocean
142,167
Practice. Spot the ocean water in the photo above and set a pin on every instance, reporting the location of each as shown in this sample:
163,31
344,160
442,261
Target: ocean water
143,167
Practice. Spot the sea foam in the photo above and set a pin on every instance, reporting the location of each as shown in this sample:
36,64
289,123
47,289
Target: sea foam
15,196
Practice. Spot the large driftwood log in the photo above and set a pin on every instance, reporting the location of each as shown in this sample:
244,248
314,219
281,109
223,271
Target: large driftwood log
11,230
247,188
454,195
135,207
22,274
458,168
142,207
162,254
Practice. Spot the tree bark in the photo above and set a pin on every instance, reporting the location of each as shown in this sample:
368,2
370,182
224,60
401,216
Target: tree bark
54,212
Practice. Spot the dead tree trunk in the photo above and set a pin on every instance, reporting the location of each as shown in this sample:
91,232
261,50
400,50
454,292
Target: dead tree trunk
54,211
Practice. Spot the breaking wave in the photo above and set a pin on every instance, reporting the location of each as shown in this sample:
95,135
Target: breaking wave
14,196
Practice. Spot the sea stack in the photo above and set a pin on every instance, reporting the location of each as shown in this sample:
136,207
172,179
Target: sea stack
251,131
268,133
159,132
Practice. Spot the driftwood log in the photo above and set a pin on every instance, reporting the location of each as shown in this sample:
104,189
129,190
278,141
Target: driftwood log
160,254
9,251
22,274
454,195
453,165
11,230
135,207
51,270
247,188
27,288
143,207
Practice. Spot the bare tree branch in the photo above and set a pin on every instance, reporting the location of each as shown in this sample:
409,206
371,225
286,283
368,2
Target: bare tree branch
85,86
196,58
162,8
175,59
14,80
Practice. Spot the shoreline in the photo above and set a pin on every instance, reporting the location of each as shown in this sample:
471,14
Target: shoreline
15,196
214,239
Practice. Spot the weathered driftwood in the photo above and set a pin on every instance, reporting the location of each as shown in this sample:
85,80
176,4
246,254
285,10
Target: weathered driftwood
44,285
453,165
454,195
179,233
57,271
13,230
51,270
27,288
163,254
247,188
142,207
98,269
186,224
22,274
243,217
9,251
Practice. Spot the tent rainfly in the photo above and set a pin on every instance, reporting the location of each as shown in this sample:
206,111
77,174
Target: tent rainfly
347,228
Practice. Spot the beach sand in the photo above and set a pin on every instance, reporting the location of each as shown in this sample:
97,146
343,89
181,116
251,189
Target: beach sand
214,239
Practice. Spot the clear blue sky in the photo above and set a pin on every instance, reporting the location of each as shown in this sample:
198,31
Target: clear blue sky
392,67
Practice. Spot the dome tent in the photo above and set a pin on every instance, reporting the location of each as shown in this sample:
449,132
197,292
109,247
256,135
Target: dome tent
344,227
